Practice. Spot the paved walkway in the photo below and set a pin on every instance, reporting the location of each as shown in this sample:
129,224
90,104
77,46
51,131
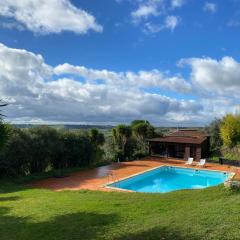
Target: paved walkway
94,179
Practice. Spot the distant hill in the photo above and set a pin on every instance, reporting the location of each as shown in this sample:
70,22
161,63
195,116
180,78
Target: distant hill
100,127
67,126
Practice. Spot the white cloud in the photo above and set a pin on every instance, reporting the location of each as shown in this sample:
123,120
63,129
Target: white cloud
144,11
177,3
152,28
156,9
37,95
210,7
38,92
147,9
141,79
218,77
171,22
49,16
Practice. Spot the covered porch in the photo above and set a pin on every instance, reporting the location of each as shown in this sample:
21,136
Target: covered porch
175,150
181,144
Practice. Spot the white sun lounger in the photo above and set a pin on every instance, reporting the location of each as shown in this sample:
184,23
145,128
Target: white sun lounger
189,161
202,163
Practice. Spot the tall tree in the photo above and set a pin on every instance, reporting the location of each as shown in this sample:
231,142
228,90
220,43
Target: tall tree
3,128
230,130
2,105
136,122
142,130
97,137
121,135
213,130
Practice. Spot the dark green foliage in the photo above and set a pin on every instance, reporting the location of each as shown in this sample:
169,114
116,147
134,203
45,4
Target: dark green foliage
122,136
130,142
16,158
142,131
213,129
40,149
135,122
4,134
44,142
96,137
97,141
3,128
2,105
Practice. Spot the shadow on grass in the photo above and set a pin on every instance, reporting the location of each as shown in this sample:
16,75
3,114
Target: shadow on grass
14,198
81,225
158,233
8,186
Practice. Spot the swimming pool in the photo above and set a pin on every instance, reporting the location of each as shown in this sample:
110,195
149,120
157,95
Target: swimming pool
167,178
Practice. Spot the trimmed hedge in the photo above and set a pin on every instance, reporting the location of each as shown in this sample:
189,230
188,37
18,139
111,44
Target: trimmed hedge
40,149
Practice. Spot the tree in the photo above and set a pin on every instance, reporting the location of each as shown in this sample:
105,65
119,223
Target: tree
16,156
213,129
4,134
230,130
41,149
136,122
96,137
3,128
142,130
44,144
2,105
121,135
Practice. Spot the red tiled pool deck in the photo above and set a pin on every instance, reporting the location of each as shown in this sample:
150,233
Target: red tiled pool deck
95,179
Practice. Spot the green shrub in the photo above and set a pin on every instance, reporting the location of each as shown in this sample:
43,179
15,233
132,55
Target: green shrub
230,130
130,142
213,129
41,149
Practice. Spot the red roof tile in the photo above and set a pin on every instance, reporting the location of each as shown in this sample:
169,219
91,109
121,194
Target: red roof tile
183,136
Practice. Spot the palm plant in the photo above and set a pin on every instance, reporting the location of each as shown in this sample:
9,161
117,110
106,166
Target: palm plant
2,105
3,128
142,130
121,135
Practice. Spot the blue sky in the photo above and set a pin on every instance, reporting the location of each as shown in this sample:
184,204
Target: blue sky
174,62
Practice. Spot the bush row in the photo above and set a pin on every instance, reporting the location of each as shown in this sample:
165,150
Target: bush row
40,149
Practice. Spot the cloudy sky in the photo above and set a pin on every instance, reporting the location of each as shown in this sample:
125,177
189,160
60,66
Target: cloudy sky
173,62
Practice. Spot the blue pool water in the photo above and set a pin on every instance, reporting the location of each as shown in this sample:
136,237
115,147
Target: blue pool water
166,179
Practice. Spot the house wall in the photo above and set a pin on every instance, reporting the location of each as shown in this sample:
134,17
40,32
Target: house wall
197,151
187,151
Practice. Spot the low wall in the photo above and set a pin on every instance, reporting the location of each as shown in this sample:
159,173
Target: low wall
226,162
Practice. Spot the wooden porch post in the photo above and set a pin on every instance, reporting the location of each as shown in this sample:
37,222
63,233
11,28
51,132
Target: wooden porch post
198,152
167,149
187,152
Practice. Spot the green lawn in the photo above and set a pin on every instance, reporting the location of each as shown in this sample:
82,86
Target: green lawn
27,213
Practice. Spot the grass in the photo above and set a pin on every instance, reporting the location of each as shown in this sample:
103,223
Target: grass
27,213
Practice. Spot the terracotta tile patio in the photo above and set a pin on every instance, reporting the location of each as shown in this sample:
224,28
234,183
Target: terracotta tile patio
95,179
